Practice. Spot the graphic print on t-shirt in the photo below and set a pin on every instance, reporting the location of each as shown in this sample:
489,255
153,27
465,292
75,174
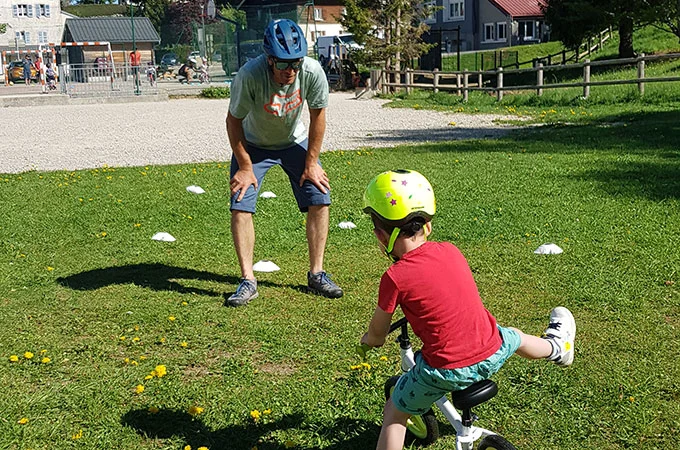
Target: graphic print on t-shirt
279,105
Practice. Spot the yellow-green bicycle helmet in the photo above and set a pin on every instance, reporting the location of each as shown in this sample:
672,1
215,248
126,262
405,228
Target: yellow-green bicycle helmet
397,197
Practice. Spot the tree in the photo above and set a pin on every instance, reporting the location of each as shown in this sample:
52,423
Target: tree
179,19
390,30
155,10
666,15
574,21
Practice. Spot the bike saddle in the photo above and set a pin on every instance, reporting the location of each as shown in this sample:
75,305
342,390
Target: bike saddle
474,394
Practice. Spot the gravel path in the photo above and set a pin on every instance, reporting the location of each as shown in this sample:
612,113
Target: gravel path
56,137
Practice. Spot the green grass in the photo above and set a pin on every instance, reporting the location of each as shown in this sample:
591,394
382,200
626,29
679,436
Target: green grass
80,272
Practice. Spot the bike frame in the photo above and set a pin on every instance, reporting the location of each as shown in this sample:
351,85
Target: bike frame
465,435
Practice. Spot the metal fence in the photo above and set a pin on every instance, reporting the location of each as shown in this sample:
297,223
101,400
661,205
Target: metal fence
93,80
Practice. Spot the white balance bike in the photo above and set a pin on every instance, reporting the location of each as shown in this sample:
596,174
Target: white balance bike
424,429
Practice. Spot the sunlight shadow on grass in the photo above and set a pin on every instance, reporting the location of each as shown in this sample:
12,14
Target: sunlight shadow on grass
351,434
154,276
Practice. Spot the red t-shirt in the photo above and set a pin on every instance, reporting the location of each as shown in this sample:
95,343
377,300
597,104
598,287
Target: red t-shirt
435,289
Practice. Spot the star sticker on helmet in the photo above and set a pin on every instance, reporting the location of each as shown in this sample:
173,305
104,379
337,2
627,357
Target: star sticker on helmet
393,202
388,195
404,182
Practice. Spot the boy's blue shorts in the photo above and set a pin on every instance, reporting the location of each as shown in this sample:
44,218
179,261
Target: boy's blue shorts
423,385
292,161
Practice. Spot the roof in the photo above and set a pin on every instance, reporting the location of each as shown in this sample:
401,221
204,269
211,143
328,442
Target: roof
520,8
112,29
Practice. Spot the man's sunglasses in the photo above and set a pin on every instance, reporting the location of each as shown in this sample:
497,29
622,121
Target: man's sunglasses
283,65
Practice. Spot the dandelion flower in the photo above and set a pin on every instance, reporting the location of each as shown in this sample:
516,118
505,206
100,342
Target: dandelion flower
187,447
50,269
45,360
139,389
22,421
28,355
203,448
267,411
184,303
148,377
13,358
43,351
184,344
161,371
153,410
78,435
171,318
195,410
135,339
255,414
383,358
122,338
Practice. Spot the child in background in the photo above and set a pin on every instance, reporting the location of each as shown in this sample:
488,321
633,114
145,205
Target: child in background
433,285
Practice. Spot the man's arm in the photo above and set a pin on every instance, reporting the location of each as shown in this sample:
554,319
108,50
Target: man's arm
378,328
313,170
244,176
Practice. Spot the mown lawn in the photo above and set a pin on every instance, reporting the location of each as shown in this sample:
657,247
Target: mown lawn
83,285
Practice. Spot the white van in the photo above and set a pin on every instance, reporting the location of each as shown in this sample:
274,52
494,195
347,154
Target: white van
338,45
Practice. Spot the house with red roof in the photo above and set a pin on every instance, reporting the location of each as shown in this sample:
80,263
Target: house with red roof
488,24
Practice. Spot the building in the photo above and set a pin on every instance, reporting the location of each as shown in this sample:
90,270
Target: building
488,24
117,31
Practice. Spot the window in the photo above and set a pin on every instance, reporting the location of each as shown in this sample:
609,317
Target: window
42,10
526,30
489,30
431,5
42,37
23,36
22,10
501,31
318,14
454,10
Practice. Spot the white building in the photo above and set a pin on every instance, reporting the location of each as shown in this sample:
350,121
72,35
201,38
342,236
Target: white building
25,26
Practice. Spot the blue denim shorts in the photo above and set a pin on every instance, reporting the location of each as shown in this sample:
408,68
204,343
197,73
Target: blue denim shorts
423,385
292,161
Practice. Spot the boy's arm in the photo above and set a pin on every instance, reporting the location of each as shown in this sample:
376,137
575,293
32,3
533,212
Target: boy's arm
377,329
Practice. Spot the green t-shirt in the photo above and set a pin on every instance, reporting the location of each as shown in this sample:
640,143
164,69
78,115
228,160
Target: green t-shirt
272,113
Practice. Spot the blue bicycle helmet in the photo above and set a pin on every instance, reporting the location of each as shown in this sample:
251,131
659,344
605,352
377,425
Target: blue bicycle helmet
284,39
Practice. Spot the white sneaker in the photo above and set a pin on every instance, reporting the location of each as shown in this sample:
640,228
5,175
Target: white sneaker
561,332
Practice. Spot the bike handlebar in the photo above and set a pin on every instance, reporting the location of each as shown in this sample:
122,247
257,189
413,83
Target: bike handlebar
362,349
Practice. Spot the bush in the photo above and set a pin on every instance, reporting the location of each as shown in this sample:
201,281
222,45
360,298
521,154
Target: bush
215,92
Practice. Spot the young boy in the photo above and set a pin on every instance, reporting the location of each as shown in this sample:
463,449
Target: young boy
433,285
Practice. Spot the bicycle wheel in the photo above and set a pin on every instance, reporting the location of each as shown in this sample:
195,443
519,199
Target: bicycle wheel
495,442
422,430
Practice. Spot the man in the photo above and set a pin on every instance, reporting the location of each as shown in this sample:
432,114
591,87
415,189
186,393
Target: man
28,65
265,129
186,71
135,61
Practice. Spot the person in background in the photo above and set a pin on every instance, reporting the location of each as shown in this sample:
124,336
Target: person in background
28,65
265,129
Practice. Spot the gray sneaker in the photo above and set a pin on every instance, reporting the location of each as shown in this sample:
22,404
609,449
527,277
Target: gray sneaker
561,332
246,291
320,284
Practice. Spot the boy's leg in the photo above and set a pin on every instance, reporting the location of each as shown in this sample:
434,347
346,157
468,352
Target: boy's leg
393,430
557,342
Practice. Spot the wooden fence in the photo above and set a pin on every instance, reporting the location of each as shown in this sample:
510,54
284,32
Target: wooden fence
492,81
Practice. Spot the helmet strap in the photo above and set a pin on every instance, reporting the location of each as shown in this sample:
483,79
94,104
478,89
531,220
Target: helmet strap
390,243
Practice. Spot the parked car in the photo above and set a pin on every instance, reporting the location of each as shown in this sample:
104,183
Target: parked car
169,59
16,72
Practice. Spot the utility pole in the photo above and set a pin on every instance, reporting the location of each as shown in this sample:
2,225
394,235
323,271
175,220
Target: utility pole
202,35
